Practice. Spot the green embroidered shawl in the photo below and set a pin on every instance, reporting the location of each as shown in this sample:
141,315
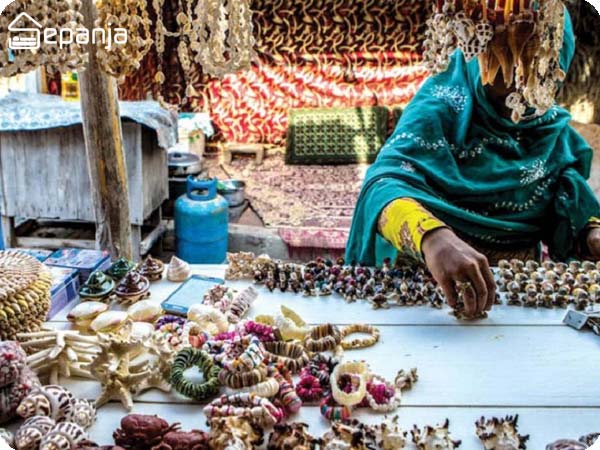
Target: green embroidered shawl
494,181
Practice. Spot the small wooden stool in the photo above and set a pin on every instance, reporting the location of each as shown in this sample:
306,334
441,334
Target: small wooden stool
238,147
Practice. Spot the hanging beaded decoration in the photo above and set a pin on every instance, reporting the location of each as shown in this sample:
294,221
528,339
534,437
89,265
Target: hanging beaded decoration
524,38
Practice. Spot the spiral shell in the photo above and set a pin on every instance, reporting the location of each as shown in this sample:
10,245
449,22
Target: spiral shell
84,413
52,401
179,270
31,433
63,436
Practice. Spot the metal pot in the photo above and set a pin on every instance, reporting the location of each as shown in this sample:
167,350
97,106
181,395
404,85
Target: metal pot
182,164
233,191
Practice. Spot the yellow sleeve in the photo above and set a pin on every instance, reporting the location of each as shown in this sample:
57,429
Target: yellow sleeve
404,222
594,222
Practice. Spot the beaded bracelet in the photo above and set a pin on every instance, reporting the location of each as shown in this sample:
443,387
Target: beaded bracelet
382,396
287,393
193,336
323,338
250,358
289,354
309,388
240,304
189,357
359,343
268,388
265,333
238,380
171,327
334,412
258,409
358,371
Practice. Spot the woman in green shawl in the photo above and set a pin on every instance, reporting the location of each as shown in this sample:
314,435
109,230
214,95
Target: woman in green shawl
461,184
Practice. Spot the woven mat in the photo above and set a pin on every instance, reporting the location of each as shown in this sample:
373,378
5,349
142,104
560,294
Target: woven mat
312,206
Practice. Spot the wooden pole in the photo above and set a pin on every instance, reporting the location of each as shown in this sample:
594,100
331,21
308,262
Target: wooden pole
104,148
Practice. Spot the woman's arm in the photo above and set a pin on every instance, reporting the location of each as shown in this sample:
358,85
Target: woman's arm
415,232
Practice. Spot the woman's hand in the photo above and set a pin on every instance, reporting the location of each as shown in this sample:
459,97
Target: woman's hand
593,243
451,260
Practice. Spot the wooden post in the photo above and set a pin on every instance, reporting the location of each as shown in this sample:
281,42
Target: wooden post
104,148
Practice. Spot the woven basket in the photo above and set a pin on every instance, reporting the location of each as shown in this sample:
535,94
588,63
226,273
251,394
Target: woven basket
24,294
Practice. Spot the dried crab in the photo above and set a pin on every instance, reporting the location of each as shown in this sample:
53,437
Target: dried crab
142,432
500,434
183,440
433,438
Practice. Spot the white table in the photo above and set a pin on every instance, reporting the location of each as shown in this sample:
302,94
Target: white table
519,361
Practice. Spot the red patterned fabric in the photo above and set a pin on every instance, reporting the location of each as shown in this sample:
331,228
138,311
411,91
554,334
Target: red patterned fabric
311,53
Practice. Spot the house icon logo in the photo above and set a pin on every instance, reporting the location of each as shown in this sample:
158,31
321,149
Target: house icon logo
24,33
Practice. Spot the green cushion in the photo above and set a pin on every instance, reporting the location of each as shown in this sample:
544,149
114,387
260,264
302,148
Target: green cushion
336,135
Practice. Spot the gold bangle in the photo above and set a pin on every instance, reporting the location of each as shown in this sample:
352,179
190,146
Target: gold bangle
359,343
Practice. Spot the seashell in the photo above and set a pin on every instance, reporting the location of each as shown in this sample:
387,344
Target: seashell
84,313
7,436
84,413
98,287
141,331
108,321
133,288
592,438
144,311
52,401
63,436
566,444
32,431
179,270
432,438
151,268
500,434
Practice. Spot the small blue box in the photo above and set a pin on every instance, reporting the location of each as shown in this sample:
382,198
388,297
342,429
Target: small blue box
85,261
65,288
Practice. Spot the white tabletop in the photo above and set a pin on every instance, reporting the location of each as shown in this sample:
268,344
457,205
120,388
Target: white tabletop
519,361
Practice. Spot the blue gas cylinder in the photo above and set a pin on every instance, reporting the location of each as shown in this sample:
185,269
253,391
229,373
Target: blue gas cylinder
201,223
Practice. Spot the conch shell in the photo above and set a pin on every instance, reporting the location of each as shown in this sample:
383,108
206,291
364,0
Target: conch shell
500,434
63,436
32,431
53,401
179,270
431,438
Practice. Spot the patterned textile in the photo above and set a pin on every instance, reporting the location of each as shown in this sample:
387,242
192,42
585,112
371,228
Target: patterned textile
310,205
25,111
311,53
404,223
336,135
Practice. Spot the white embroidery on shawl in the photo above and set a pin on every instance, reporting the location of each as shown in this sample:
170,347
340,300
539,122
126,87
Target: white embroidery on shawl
408,167
453,96
422,143
533,173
